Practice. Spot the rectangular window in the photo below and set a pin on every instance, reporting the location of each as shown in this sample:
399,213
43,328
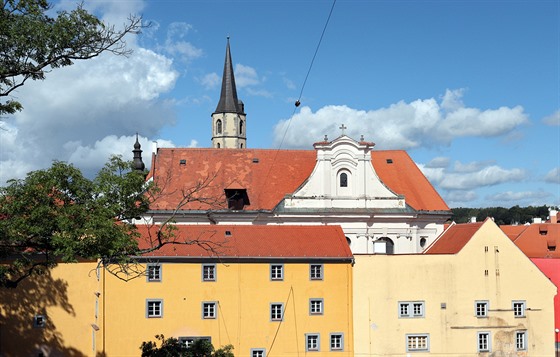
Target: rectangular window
276,310
316,271
417,342
258,352
208,272
39,321
154,272
521,340
312,342
481,308
518,308
188,341
276,272
337,342
315,306
409,309
208,310
483,341
154,308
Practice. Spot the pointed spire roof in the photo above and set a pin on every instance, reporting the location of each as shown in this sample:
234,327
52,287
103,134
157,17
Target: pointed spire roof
228,98
137,161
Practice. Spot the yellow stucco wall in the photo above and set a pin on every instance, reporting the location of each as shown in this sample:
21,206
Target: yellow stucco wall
66,297
244,293
457,281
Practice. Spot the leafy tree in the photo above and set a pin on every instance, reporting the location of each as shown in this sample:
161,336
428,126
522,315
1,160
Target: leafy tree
501,215
32,43
172,347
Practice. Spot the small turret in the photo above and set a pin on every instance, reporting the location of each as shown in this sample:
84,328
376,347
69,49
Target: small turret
138,164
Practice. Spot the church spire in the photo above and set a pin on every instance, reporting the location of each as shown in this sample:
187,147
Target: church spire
228,97
137,162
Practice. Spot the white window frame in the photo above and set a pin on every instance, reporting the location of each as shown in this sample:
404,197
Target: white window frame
276,311
209,310
414,342
153,272
277,272
316,271
39,321
258,352
313,302
336,341
521,340
151,305
209,272
483,341
315,338
518,307
479,312
407,309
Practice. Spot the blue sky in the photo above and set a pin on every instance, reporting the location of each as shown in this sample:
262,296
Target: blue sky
470,89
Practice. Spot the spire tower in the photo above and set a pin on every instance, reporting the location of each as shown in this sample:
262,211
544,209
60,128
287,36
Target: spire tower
229,118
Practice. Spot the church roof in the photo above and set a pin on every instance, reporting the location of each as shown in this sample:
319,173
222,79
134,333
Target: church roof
269,175
251,241
228,97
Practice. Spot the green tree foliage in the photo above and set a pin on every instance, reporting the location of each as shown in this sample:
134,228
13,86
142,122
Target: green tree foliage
501,215
172,347
32,43
58,215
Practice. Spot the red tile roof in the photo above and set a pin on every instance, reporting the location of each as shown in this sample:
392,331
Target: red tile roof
453,239
244,241
513,231
538,240
269,175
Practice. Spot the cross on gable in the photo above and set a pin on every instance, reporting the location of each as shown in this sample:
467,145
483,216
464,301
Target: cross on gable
342,127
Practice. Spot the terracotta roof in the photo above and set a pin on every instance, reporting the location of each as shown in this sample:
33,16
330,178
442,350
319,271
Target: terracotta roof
513,231
269,175
453,239
243,241
538,240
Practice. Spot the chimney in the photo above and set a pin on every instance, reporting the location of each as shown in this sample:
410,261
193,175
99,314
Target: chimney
553,216
473,219
537,220
154,147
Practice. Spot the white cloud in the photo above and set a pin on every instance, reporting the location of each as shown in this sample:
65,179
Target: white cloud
460,197
438,162
471,166
423,122
211,80
553,176
553,119
488,176
511,196
246,76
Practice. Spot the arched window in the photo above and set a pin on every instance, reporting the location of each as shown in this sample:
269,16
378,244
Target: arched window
218,126
344,179
384,245
218,146
241,146
241,127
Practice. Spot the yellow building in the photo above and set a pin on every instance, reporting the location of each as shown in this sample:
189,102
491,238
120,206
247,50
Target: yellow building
473,293
268,291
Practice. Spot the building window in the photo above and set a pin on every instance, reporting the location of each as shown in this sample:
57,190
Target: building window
483,341
481,308
208,272
344,179
411,309
218,126
188,341
154,308
316,306
258,352
518,308
312,342
417,342
384,245
39,321
337,342
276,311
154,272
208,310
316,271
276,272
521,340
241,127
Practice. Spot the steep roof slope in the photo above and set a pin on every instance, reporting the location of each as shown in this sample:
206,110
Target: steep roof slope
539,240
269,175
453,239
251,241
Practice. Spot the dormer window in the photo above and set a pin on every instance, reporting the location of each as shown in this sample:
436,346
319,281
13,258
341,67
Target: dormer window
344,179
237,198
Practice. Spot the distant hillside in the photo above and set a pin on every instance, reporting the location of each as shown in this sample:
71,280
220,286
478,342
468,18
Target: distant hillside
501,215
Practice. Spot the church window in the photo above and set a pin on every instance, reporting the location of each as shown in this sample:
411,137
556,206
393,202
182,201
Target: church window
218,145
384,245
218,126
241,127
344,179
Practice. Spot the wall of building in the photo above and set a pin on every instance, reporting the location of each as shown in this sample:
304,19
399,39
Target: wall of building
448,286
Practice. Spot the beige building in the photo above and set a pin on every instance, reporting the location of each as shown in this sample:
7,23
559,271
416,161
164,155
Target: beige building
473,293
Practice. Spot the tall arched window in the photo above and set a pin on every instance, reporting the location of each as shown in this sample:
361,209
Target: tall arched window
218,126
344,179
241,127
218,146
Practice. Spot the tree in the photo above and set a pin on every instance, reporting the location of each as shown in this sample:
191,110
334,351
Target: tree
33,43
172,347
